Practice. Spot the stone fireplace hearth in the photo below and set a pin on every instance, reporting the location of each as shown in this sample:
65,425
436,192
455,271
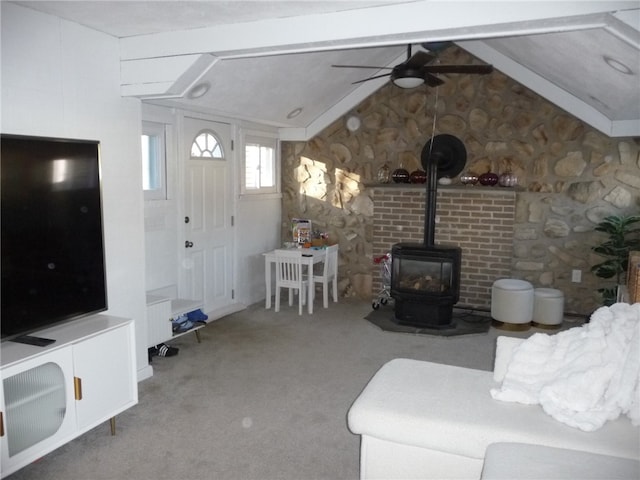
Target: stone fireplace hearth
480,220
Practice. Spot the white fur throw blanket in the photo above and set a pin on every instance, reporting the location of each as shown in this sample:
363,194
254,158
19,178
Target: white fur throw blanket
583,376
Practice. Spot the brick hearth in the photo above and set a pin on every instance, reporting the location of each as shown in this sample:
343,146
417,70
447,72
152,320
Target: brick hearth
479,220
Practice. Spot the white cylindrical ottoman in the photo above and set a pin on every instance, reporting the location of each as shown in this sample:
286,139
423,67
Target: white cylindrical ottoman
512,304
548,308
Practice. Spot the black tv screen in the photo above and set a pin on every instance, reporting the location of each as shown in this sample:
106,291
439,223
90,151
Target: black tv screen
52,244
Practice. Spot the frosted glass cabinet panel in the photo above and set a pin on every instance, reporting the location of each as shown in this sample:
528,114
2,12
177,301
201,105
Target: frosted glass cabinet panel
38,396
36,404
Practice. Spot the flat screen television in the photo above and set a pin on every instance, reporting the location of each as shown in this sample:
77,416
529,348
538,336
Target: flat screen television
52,244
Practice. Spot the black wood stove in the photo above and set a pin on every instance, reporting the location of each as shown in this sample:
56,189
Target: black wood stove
425,283
425,278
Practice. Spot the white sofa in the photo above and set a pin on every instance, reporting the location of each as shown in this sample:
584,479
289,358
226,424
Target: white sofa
520,461
426,420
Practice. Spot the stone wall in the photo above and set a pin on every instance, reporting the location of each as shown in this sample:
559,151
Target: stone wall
570,175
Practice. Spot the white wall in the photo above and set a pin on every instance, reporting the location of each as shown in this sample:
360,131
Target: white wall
258,231
60,79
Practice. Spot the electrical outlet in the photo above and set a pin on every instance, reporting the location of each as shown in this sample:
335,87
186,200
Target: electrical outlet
576,276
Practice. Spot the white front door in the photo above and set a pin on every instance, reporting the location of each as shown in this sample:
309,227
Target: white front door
207,264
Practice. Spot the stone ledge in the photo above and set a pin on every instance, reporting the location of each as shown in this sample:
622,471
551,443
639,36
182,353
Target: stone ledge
450,188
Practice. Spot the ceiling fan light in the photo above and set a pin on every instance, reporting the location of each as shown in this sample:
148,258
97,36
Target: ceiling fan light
408,82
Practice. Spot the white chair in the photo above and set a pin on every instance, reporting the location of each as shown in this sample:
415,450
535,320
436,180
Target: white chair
329,274
289,275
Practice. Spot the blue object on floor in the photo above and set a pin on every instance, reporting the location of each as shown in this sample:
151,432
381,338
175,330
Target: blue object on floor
197,316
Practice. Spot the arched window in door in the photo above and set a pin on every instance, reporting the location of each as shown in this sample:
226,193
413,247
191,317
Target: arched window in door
207,145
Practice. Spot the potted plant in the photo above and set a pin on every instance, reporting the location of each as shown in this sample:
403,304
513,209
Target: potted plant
623,237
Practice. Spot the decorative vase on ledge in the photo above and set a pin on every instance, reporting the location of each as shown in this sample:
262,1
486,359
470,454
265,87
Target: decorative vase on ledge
468,178
488,179
400,175
384,174
508,179
418,176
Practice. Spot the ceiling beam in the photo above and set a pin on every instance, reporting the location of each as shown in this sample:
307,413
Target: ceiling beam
169,77
417,21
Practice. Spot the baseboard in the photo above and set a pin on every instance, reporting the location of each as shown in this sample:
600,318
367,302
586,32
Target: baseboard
145,372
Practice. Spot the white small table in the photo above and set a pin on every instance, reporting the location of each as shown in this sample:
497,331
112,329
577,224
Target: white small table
310,256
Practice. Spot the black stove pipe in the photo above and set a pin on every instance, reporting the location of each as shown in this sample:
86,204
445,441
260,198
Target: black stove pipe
430,201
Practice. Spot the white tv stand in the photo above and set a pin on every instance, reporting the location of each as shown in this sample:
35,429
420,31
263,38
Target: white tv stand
51,395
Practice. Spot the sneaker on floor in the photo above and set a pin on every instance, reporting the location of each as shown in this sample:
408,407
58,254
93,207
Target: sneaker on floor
151,352
165,350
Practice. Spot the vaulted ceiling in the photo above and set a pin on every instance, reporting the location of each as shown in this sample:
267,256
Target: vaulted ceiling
270,61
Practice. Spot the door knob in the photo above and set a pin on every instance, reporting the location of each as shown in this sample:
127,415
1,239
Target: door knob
188,244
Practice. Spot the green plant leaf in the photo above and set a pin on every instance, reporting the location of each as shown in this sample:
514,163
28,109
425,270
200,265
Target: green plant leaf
622,237
607,269
609,295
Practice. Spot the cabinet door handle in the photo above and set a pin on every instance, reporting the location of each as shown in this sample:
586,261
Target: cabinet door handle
1,425
77,387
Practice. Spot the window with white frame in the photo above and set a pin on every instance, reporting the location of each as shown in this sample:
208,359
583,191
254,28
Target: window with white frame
206,145
260,175
154,165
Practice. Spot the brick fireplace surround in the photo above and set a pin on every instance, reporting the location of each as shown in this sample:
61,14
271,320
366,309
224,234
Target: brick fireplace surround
480,220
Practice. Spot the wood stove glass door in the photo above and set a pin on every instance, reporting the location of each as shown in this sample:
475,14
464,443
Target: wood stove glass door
423,274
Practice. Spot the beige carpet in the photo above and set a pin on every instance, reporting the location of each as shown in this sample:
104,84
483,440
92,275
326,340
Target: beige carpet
264,396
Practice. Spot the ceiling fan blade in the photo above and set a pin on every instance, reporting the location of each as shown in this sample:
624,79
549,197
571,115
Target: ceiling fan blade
361,66
419,60
371,78
478,69
432,80
419,65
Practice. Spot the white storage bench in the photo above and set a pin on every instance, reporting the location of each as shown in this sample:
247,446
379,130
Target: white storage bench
425,420
162,307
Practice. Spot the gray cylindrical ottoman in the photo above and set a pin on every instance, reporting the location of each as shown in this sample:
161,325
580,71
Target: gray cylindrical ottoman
512,304
548,308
